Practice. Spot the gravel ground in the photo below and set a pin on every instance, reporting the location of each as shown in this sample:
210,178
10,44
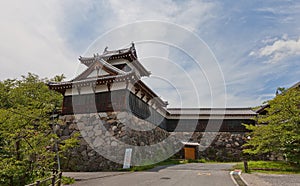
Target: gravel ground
259,179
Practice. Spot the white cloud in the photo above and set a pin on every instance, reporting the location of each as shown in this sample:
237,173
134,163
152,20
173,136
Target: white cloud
31,41
279,50
269,40
190,14
38,36
34,40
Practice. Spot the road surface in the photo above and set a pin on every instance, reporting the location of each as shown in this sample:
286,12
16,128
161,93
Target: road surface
176,175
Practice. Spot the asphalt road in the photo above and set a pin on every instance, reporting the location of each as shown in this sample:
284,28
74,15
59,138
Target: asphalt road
176,175
258,179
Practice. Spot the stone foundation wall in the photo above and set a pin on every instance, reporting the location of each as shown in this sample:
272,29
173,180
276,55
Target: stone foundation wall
218,146
105,136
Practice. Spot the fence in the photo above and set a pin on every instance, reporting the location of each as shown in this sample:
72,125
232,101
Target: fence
55,180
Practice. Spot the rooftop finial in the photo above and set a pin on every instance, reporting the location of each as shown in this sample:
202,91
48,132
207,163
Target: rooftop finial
105,50
97,56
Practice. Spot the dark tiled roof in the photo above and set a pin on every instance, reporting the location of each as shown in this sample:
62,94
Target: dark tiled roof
295,85
211,111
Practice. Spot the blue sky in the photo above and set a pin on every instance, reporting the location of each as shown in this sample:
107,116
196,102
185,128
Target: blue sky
256,44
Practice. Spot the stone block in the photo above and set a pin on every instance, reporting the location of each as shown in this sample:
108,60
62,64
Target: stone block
91,133
111,121
122,115
115,129
73,126
83,133
98,132
98,141
236,144
91,153
114,144
88,140
107,134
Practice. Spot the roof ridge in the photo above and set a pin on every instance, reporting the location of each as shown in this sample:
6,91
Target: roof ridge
104,64
111,67
213,108
91,79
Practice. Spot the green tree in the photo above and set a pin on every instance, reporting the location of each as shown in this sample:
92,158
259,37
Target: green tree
26,139
278,131
58,78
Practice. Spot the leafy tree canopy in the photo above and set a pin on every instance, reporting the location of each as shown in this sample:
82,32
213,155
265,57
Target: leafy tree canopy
26,139
278,131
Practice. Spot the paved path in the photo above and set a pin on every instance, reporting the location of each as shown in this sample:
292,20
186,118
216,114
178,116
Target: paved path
176,175
258,179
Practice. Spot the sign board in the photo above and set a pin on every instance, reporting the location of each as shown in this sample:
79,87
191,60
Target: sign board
127,158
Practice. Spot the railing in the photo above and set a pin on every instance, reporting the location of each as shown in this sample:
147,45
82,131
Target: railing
55,180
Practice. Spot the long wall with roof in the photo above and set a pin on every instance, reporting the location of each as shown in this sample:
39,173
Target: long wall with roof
181,120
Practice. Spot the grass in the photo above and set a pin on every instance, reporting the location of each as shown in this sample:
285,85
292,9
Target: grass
67,180
272,167
64,180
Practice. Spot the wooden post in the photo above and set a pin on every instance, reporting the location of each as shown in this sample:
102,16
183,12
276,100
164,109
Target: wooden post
53,179
11,179
246,166
59,178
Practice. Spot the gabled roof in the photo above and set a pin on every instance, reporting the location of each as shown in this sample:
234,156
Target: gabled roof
126,53
62,86
113,74
99,65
